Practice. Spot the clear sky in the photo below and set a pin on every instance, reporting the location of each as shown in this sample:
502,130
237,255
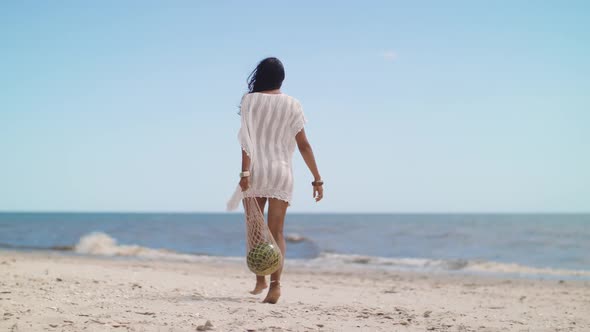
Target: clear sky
413,106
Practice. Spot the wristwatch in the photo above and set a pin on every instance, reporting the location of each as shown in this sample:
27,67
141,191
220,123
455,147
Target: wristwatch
244,174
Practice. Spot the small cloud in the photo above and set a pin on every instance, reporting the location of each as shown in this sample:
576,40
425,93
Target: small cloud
389,56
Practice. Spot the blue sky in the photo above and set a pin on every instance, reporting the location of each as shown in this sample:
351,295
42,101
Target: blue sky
422,106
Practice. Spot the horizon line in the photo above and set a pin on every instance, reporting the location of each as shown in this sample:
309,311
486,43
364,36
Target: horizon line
300,212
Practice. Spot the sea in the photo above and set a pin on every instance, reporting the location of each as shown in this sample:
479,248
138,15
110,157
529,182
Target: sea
546,246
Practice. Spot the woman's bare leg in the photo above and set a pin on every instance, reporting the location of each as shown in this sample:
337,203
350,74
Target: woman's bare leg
260,280
277,209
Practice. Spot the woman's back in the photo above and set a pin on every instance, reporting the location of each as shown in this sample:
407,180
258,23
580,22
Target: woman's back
269,123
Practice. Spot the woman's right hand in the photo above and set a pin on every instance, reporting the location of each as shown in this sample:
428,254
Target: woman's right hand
244,183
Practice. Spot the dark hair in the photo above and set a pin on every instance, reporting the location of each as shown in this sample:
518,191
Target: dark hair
268,75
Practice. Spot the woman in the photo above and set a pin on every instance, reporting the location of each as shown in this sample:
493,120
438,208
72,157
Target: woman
272,124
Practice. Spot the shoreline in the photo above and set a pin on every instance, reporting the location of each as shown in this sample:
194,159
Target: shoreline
41,291
331,261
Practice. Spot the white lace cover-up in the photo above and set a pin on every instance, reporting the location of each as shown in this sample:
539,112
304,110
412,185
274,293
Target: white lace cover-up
269,123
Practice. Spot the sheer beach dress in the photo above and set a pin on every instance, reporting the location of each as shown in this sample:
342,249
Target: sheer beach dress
269,124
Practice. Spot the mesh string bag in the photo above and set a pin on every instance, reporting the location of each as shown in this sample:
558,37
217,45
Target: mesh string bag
263,254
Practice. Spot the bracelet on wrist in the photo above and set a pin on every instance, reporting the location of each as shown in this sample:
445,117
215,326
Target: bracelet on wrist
244,174
317,183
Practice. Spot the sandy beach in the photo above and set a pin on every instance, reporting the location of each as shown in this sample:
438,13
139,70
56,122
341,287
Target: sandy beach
53,292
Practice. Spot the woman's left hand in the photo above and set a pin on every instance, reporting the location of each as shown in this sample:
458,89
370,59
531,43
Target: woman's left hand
318,192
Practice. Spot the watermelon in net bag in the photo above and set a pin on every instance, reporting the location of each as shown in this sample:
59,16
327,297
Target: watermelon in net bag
264,256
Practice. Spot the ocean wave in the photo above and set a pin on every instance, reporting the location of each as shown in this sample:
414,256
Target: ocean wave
101,244
295,238
441,265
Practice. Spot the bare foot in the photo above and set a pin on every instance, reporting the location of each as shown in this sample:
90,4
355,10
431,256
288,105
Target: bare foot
274,292
260,286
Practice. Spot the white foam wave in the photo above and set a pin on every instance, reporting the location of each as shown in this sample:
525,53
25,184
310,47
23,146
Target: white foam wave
439,265
102,244
295,238
510,268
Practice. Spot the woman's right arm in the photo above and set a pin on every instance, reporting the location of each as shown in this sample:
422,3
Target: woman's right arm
244,182
307,154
